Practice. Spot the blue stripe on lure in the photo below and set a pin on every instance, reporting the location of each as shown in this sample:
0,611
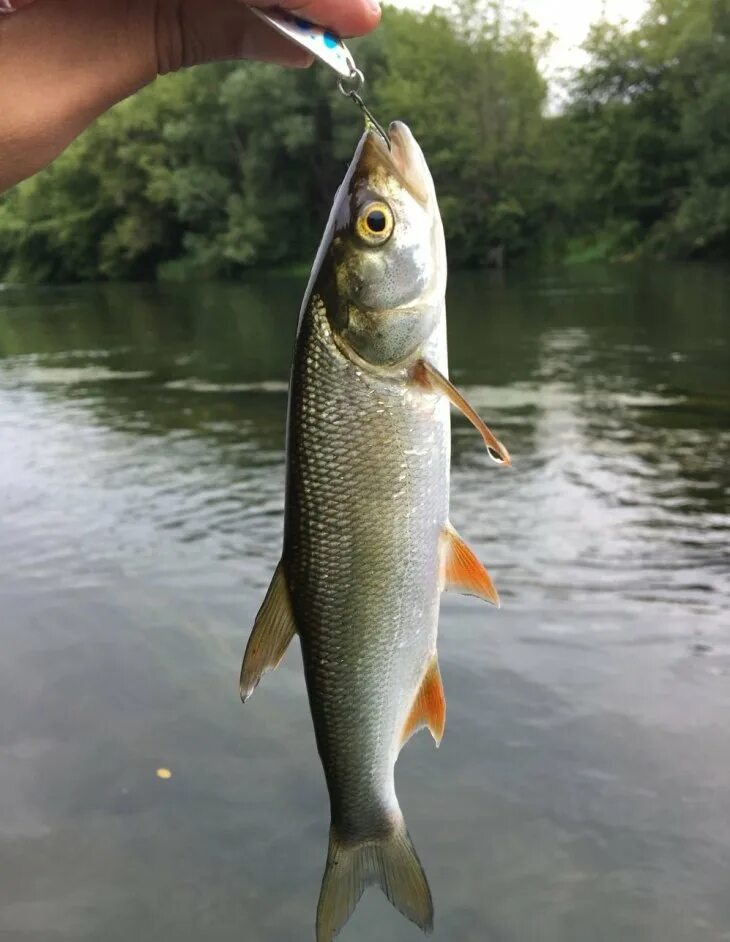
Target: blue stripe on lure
322,43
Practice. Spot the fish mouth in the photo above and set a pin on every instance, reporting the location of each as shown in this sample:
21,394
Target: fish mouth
404,159
408,158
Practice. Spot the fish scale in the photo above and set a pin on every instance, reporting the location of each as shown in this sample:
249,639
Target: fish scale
362,565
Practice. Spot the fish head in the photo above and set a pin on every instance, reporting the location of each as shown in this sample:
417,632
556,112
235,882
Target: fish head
386,258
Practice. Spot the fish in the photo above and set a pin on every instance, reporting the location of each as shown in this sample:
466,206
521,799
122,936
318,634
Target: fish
368,545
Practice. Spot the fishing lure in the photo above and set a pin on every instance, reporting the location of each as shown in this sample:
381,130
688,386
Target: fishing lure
328,48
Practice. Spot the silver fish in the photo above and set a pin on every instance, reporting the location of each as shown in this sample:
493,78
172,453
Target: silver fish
368,546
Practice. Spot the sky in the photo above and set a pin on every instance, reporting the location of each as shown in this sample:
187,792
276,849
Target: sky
568,20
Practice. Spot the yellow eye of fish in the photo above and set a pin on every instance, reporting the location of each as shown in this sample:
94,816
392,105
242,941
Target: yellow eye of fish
375,223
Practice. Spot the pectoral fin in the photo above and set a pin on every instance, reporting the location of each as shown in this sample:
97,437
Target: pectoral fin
462,570
428,377
272,631
429,707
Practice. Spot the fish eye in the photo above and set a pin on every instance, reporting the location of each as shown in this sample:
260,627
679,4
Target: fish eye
375,223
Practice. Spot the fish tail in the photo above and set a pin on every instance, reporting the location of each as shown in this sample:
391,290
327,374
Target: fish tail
390,862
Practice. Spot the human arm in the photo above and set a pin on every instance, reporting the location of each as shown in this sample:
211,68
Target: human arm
64,62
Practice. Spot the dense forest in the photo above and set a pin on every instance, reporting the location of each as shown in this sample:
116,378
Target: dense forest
225,167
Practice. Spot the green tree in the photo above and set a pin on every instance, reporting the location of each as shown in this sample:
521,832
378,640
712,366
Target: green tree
469,86
233,166
649,131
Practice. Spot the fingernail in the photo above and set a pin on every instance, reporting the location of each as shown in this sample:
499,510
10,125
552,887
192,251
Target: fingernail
374,6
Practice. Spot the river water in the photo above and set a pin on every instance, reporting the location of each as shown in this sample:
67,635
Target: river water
582,791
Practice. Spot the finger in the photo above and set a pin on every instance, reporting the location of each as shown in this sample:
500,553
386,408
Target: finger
344,17
233,33
10,6
259,41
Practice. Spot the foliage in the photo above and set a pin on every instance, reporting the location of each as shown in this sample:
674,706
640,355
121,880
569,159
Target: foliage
649,131
231,166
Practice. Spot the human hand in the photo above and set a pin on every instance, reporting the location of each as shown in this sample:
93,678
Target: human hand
65,62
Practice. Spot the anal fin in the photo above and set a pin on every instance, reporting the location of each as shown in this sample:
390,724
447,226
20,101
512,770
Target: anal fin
272,631
429,707
462,570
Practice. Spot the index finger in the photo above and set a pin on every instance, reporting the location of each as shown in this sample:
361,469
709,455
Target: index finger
343,17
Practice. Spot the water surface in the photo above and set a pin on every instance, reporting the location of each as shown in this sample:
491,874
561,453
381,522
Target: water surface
582,790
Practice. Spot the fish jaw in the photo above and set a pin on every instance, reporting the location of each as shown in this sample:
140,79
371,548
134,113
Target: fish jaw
404,160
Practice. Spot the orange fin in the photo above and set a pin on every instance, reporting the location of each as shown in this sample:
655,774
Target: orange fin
429,707
272,631
463,571
428,377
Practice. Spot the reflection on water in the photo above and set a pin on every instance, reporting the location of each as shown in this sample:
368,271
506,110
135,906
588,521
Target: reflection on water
583,786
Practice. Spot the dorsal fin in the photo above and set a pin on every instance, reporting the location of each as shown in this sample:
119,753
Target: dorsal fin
429,707
462,571
272,631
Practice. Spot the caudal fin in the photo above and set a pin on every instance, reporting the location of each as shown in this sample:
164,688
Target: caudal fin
390,862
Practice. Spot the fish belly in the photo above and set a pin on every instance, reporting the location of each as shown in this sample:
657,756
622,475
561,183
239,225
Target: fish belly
367,499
